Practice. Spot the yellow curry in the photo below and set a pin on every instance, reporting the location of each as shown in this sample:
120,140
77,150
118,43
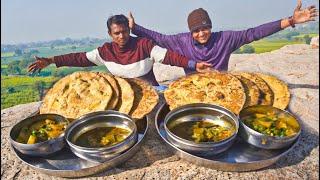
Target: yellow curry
41,131
102,137
204,131
272,123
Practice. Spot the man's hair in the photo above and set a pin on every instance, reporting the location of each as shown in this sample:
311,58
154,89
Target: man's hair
117,19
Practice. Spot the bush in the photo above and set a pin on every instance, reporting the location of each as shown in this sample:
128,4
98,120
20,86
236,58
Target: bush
290,34
248,49
307,39
238,51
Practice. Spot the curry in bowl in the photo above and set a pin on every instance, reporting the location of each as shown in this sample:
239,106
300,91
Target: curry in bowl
39,135
202,128
102,137
272,123
41,131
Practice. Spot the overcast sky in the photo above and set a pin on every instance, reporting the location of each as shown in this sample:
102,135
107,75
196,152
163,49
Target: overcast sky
40,20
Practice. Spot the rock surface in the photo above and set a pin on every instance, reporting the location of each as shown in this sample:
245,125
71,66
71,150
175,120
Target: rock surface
298,65
315,42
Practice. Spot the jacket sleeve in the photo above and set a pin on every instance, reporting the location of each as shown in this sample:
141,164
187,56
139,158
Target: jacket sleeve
162,55
82,59
73,60
239,38
166,41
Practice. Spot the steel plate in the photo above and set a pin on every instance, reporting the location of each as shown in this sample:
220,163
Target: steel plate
241,156
65,164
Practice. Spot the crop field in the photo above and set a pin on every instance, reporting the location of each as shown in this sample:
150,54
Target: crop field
6,57
47,51
23,89
262,46
302,35
6,54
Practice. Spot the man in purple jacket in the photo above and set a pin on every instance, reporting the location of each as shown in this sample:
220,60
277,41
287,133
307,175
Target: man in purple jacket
216,47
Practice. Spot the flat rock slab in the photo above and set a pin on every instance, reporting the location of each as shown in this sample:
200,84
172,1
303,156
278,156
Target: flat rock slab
297,65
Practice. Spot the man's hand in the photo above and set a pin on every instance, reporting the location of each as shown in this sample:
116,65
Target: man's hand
203,67
40,64
304,15
131,21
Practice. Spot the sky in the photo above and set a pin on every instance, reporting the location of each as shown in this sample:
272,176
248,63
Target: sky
25,21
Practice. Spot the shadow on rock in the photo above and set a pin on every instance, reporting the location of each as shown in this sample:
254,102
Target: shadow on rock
309,86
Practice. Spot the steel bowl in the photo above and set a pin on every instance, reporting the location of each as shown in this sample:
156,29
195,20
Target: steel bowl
200,112
40,149
97,119
261,140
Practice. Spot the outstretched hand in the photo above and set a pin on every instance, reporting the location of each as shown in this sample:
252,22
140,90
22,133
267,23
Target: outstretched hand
304,15
39,64
131,20
203,67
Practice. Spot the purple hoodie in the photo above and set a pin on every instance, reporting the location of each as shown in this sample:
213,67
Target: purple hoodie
217,50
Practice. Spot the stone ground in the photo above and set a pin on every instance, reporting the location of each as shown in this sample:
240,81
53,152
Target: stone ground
298,65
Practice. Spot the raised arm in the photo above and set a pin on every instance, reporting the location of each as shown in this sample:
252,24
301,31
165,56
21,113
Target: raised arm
239,38
166,41
82,59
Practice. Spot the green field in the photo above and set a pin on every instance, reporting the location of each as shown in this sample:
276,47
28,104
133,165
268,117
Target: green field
22,89
6,54
263,45
7,57
47,51
302,35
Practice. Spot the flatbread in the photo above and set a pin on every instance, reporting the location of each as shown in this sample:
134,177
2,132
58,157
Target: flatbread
115,89
77,94
280,89
211,87
252,91
145,98
126,99
266,94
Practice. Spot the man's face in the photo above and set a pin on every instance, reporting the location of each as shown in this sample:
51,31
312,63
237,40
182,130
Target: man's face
120,34
202,35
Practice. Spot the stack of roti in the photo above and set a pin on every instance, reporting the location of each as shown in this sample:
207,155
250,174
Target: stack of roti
232,90
84,92
211,87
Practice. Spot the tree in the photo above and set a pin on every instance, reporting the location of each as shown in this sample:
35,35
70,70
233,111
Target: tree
290,34
13,68
248,49
238,51
34,51
18,52
23,63
11,90
307,39
40,87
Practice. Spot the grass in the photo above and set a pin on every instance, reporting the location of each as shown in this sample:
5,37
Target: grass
310,35
47,51
263,45
7,57
22,89
7,54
